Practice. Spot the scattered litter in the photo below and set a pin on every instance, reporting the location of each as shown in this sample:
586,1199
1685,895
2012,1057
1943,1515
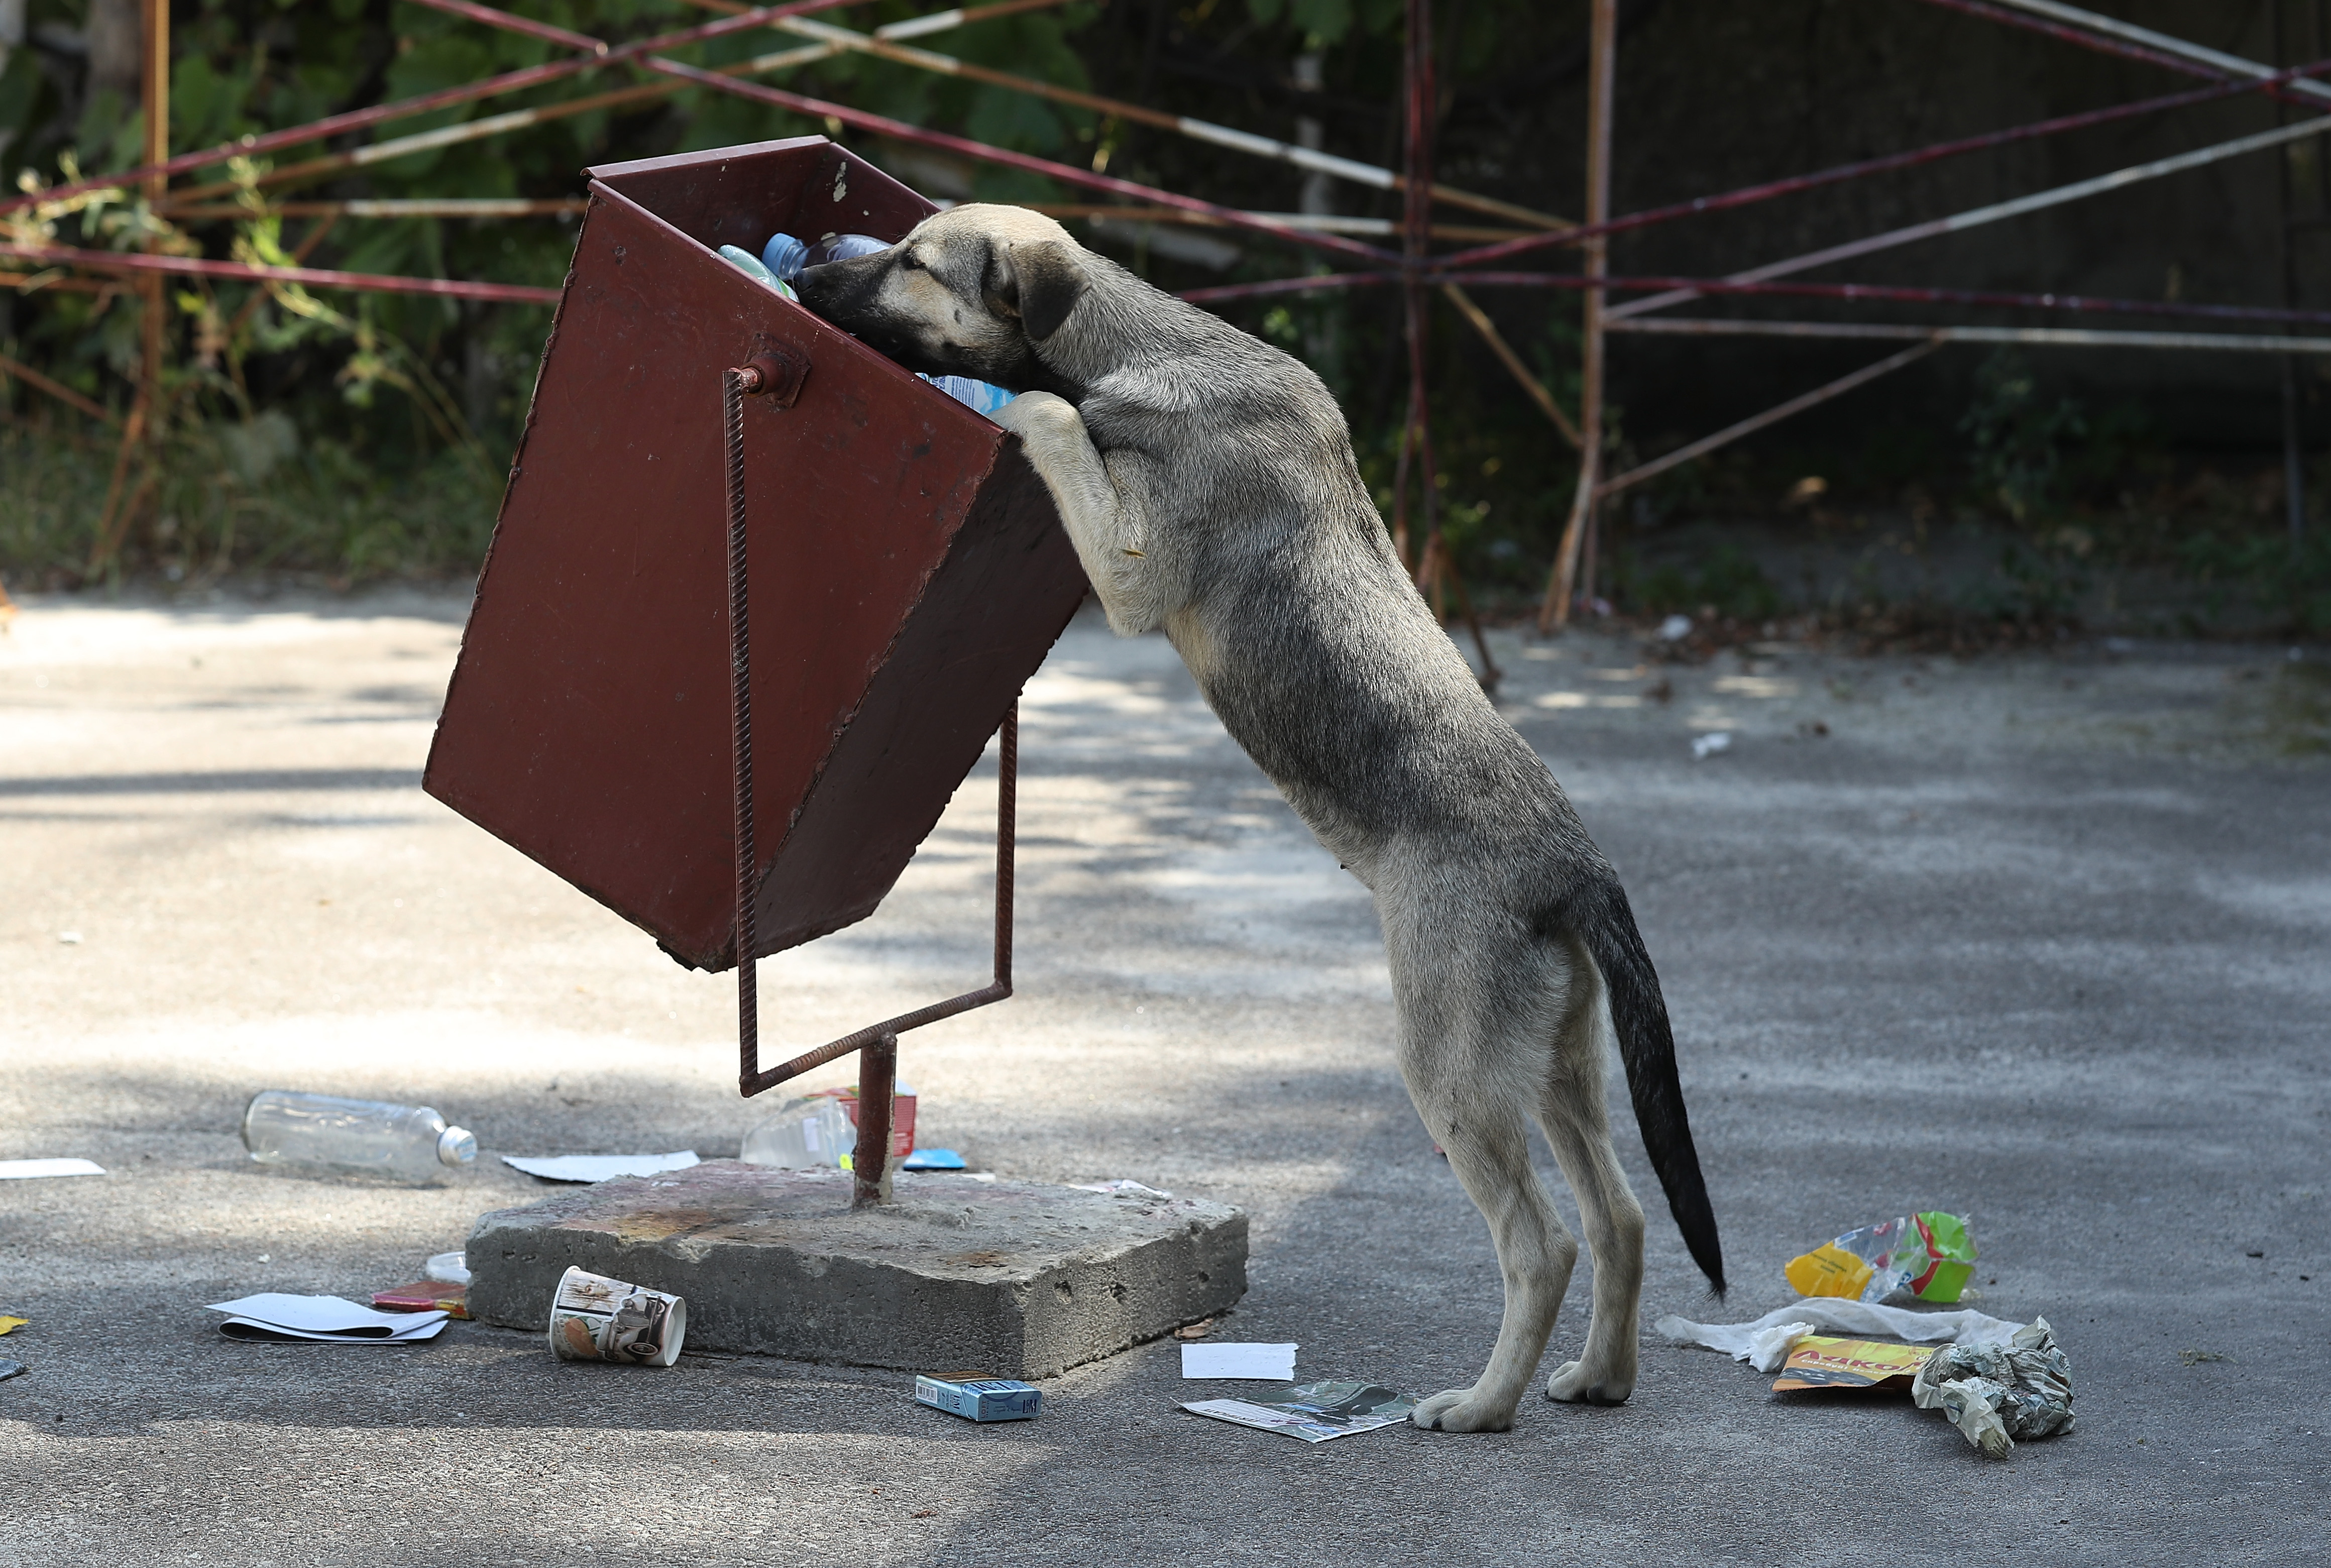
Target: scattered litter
822,1129
272,1315
1922,1257
1122,1189
411,1142
1704,746
934,1160
598,1167
1198,1330
1736,1340
1313,1412
1995,1394
1675,628
20,1170
9,1369
10,1324
70,939
1818,1360
977,1397
452,1267
595,1318
426,1296
1231,1358
808,1131
1768,1348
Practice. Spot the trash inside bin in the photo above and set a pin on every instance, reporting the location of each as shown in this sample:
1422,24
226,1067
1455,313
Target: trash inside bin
908,573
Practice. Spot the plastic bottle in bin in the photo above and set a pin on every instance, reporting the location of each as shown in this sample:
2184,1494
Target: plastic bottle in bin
786,257
411,1143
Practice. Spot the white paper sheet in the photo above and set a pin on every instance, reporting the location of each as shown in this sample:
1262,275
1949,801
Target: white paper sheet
275,1315
17,1170
1270,1363
598,1167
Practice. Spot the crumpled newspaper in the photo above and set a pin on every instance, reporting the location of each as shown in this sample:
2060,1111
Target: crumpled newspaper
1995,1394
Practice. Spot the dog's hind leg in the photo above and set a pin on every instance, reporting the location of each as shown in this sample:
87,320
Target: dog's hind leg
1473,1070
1577,1124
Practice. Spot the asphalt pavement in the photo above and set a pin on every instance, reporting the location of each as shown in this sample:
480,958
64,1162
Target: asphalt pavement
2043,938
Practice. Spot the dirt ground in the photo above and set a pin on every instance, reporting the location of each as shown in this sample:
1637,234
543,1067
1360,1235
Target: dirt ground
2038,938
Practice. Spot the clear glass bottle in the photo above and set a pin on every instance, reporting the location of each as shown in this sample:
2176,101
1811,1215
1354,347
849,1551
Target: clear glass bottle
805,1133
409,1143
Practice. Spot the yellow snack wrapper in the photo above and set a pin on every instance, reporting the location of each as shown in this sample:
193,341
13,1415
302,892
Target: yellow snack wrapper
1821,1362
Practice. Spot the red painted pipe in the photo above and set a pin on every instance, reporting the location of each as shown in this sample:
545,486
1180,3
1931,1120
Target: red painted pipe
1890,293
405,108
313,277
2104,43
1748,195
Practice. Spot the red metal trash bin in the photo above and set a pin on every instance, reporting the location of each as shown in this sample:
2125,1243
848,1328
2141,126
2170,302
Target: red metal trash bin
908,575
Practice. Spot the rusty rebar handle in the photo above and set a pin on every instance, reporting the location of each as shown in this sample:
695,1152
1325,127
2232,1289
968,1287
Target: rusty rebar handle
880,1042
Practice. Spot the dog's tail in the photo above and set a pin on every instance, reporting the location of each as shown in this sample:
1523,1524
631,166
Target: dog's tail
1647,1047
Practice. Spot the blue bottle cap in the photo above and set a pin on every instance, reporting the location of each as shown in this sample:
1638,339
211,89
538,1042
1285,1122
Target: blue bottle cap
783,255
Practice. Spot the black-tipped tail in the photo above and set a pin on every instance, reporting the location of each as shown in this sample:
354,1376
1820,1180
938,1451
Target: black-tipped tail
1647,1048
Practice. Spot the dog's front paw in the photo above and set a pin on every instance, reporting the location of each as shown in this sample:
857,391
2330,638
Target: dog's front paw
1572,1383
1033,412
1460,1409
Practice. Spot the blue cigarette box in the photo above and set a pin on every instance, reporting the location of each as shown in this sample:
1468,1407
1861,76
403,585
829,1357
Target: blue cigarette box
980,1399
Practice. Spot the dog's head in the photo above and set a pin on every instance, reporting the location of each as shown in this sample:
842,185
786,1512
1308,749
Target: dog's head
975,291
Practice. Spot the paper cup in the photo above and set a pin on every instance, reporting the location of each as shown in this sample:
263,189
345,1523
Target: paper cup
595,1318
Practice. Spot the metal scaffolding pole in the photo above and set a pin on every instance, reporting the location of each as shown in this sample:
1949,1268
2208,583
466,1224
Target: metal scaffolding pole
1602,53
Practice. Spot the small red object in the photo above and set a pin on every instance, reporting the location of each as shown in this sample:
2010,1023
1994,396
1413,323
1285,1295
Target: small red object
902,1116
426,1296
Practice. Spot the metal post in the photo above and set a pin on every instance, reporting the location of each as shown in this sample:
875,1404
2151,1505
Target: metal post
869,1162
2294,466
1603,42
736,384
1416,240
157,151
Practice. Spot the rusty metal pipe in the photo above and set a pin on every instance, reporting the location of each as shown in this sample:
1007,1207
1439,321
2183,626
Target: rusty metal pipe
1879,293
878,1082
422,103
313,277
1769,190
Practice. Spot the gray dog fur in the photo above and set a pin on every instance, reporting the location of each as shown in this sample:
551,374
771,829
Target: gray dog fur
1208,483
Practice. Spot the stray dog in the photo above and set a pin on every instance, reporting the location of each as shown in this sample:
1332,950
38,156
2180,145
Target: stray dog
1208,482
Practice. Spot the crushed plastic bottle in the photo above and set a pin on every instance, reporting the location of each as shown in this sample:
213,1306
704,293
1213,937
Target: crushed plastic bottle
786,256
805,1134
411,1143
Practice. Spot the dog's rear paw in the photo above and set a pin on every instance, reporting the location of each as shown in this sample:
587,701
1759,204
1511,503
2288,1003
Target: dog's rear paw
1571,1384
1459,1411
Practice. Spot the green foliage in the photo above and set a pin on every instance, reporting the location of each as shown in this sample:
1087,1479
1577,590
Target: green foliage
2018,439
383,393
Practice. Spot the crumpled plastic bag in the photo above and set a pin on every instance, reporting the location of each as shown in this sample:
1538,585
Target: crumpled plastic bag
1765,1342
1995,1394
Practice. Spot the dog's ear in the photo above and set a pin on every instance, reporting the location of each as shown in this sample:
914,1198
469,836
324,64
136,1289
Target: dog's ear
1038,281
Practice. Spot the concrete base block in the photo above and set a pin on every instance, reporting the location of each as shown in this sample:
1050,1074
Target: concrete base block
1013,1278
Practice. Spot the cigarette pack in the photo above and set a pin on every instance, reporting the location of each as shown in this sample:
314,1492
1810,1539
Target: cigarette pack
975,1397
